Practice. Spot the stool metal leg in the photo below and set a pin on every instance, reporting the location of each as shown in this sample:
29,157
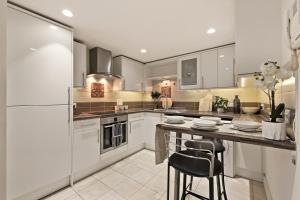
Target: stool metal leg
211,188
183,187
168,183
191,183
223,177
219,188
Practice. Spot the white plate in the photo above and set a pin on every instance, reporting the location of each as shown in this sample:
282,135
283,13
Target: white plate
247,124
206,123
215,119
174,119
174,122
205,128
245,129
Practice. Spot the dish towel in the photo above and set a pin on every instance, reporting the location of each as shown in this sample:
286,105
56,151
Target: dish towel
161,152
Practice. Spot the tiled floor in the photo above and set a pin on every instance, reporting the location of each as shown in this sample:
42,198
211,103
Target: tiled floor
138,178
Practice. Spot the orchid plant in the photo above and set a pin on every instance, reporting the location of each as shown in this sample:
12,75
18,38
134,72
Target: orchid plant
271,74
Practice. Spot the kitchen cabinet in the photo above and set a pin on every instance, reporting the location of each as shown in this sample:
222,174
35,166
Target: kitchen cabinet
229,158
135,131
86,143
38,148
209,69
189,72
80,64
226,67
150,121
132,74
39,114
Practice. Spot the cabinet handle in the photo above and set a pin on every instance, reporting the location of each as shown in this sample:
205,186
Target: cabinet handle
179,86
124,84
142,85
234,76
98,135
69,110
202,81
83,79
130,127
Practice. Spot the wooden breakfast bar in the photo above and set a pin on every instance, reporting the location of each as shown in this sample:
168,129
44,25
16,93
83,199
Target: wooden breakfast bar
225,132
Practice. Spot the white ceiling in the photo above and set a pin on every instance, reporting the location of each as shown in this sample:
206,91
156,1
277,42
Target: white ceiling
163,27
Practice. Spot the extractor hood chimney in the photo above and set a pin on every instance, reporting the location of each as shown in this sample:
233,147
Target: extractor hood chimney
101,63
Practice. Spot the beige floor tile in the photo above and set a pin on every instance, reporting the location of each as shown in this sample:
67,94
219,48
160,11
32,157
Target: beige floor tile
129,170
111,195
94,190
127,188
103,173
63,194
145,194
113,179
84,183
142,176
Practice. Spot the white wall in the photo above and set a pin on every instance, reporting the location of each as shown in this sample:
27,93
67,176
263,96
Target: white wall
257,31
2,99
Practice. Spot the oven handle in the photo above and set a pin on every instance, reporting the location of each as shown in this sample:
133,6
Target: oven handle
112,125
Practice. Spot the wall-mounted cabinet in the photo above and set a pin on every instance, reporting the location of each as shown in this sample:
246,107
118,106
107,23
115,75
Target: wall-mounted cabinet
226,67
208,69
80,64
189,72
132,74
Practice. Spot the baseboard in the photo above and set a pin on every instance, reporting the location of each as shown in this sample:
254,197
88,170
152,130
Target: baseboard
267,189
256,176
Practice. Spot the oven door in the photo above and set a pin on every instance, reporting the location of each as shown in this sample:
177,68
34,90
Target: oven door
107,137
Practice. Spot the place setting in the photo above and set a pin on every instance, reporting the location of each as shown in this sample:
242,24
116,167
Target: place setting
246,126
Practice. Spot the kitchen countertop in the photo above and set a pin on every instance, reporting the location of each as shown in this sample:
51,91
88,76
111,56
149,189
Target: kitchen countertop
223,133
188,113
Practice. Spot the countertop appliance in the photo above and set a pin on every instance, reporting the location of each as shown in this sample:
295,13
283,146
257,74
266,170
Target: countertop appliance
113,132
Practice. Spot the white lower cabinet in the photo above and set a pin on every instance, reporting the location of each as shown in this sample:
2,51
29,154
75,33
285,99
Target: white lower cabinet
229,158
150,122
135,131
86,143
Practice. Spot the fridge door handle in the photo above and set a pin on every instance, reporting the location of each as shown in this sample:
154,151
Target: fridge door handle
69,109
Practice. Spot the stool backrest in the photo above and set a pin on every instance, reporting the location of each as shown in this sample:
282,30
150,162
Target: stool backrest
175,144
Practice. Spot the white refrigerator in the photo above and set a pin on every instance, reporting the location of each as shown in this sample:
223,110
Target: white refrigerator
39,98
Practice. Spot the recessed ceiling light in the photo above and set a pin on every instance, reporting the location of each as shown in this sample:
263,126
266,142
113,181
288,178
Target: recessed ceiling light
211,31
53,27
143,51
32,49
222,56
67,13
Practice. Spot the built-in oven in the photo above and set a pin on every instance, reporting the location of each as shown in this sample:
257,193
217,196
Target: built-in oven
114,132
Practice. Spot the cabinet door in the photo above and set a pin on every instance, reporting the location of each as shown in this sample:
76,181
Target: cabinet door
86,143
133,75
209,69
38,147
229,158
188,69
80,64
39,61
136,132
150,122
226,71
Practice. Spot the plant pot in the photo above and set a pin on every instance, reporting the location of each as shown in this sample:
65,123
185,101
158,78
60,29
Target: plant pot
220,110
274,130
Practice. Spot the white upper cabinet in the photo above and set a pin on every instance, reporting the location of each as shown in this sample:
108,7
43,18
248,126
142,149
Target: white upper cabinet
188,72
39,61
132,74
209,69
80,64
226,67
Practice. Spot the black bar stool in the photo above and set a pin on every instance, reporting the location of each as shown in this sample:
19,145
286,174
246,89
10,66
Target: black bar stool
219,149
195,162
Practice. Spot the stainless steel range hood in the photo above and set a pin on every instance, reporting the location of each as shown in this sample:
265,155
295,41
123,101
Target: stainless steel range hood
101,63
